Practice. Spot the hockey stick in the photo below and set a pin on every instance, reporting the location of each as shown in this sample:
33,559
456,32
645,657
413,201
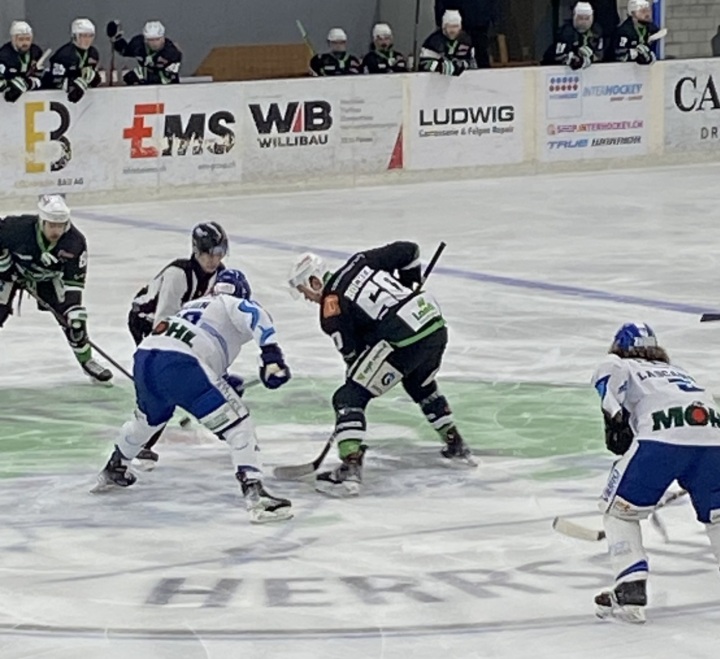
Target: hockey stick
573,530
111,73
293,472
305,37
416,58
660,34
66,325
709,317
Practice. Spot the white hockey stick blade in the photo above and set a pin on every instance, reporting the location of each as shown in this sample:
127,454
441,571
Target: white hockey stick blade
573,530
293,472
660,34
43,58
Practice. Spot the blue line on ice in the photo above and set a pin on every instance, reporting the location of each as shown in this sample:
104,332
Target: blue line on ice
514,282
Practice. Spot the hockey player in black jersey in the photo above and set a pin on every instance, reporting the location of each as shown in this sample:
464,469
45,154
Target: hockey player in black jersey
158,57
448,50
73,68
388,331
178,282
579,43
337,61
631,42
19,63
383,58
47,254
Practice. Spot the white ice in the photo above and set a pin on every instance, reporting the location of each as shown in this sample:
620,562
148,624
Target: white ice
429,561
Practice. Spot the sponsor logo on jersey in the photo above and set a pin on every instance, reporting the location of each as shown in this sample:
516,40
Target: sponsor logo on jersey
331,306
295,124
678,417
180,135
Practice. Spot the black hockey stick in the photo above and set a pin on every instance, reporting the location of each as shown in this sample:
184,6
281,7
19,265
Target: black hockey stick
293,472
62,320
569,528
709,317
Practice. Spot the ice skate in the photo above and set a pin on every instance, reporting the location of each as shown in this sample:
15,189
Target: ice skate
262,506
455,448
115,474
97,372
146,460
626,602
346,479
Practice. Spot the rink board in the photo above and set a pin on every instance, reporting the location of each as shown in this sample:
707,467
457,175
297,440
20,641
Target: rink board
286,133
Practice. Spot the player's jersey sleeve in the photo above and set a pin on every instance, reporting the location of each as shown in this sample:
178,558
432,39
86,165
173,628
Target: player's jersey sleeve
336,321
400,255
612,380
251,320
74,271
173,286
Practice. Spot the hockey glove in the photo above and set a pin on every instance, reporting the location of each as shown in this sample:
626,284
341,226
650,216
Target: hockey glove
274,372
236,383
113,30
644,55
15,89
410,277
618,434
447,68
76,90
76,318
134,77
574,62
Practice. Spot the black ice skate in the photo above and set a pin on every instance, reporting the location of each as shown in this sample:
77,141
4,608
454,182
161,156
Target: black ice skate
346,479
262,506
146,460
115,474
455,448
626,602
97,372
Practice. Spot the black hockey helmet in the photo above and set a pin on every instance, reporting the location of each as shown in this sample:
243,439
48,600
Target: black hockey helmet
209,238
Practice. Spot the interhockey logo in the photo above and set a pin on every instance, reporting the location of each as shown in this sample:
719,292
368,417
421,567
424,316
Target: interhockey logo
297,124
46,149
178,139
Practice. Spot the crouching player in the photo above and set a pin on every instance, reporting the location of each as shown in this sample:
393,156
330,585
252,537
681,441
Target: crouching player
184,363
666,427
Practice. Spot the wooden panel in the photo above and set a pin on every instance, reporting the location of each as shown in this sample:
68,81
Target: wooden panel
261,62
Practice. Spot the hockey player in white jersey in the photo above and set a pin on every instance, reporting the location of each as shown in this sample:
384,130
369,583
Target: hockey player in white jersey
666,427
184,363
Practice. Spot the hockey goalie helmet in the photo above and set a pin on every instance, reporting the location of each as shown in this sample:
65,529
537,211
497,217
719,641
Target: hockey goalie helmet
583,16
21,36
307,267
232,282
635,335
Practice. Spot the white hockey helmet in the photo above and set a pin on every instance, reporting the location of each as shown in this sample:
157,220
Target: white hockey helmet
337,34
451,17
583,9
82,26
52,208
305,266
381,30
20,28
153,30
637,5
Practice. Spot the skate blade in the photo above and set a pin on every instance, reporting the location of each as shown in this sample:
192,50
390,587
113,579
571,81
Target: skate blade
99,383
144,465
630,614
343,490
467,462
268,517
103,485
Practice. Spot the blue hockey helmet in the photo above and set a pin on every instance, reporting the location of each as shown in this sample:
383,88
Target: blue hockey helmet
232,282
635,335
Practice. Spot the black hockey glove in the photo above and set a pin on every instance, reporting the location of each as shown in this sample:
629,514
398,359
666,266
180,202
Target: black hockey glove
132,78
410,277
112,29
76,90
274,372
644,55
618,434
15,89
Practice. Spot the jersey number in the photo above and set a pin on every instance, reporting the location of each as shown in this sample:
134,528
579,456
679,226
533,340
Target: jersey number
379,294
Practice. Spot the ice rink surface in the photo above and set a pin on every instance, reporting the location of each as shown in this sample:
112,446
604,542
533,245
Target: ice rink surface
430,561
